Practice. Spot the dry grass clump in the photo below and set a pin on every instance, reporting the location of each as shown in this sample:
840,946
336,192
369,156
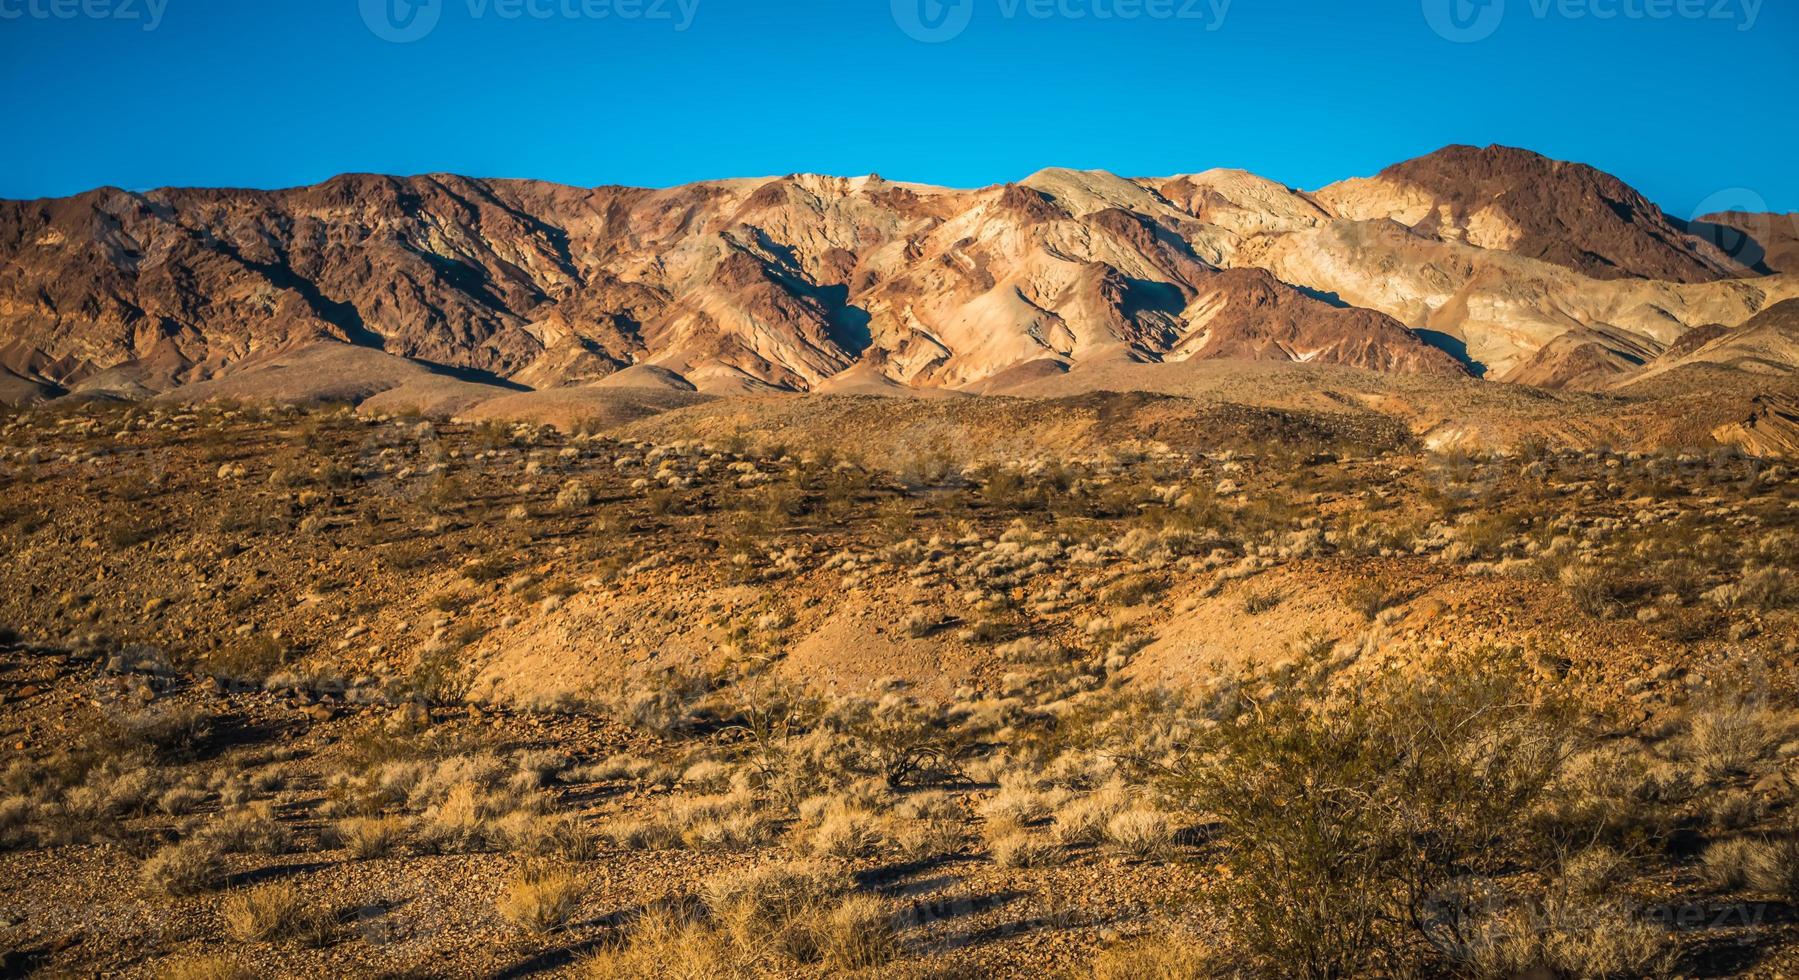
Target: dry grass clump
726,822
1018,805
1595,589
273,913
541,901
643,835
1141,833
204,968
1560,938
1594,872
1162,956
1770,866
367,838
925,840
249,830
468,818
847,833
574,496
671,941
188,868
859,934
790,912
1731,739
1024,849
1083,820
547,835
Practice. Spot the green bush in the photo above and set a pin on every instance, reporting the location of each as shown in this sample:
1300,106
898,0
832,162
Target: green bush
1346,814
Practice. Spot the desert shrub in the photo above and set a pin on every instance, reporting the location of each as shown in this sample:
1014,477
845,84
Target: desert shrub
169,734
1770,865
553,835
776,907
924,840
1083,820
1135,590
1161,956
203,968
859,934
1596,590
1341,815
1024,849
1594,872
1140,833
902,741
1369,598
187,868
367,838
670,941
248,830
574,496
1559,937
541,901
272,913
1259,602
1730,736
847,833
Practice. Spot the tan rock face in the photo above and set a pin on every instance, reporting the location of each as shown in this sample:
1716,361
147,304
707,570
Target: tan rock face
1568,214
789,282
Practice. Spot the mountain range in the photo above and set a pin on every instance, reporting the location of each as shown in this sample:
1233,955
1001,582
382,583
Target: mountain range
1493,262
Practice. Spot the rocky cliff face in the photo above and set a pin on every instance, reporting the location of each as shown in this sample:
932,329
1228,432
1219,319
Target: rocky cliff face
791,281
1513,200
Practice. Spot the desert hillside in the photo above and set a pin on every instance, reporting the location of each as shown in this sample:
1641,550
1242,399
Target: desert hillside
856,685
1493,261
1177,578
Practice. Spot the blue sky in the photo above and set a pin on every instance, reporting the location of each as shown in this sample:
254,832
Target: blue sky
1689,100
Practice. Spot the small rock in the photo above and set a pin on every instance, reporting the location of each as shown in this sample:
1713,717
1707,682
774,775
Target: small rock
409,718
